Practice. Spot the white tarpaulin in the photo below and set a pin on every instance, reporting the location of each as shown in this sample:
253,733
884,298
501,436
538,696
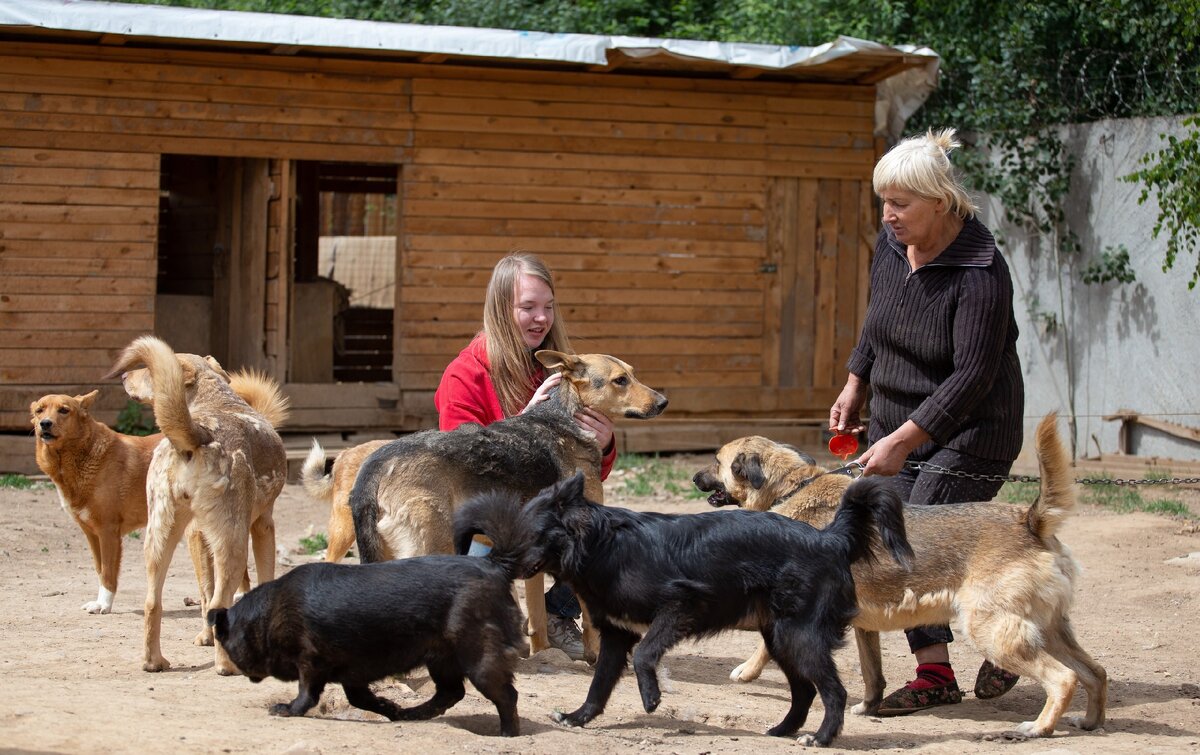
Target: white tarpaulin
899,95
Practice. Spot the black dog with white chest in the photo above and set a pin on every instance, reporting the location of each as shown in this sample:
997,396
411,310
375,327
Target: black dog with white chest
353,624
661,578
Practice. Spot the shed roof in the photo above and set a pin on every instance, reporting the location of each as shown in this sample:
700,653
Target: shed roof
905,74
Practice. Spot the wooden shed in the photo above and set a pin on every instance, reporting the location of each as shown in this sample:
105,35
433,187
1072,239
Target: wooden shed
324,199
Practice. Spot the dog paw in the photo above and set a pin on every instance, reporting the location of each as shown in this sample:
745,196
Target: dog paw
743,673
809,740
1081,722
227,669
863,709
280,709
204,638
95,606
156,664
566,719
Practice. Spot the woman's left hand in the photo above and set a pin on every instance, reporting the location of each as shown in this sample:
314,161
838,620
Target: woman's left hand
887,455
596,423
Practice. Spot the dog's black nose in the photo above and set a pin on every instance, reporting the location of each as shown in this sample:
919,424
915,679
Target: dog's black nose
46,424
661,406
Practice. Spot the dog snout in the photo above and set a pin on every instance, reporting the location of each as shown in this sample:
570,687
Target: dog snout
703,480
46,424
660,405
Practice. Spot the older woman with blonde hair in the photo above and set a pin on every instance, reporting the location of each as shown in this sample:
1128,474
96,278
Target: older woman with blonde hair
938,353
496,376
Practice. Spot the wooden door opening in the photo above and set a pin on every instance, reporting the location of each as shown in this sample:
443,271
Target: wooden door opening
343,317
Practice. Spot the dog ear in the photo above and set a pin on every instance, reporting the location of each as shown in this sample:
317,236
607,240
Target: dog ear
85,401
748,467
217,368
557,360
218,619
810,461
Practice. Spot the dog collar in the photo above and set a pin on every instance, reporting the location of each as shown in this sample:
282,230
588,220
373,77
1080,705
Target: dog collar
853,470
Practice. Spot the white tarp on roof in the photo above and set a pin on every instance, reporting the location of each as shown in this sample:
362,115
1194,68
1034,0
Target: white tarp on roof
900,95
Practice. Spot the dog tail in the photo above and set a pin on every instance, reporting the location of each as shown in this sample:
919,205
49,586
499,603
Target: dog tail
263,395
499,517
870,509
170,394
312,475
1056,499
364,506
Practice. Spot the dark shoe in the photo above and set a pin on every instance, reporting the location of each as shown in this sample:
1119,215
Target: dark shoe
908,699
993,681
564,634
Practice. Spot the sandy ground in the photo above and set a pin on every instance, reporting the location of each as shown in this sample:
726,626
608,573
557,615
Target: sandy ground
72,682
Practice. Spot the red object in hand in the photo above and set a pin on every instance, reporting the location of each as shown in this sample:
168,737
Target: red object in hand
843,445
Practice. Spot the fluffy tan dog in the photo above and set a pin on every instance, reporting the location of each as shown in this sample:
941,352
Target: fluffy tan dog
334,489
1000,569
221,464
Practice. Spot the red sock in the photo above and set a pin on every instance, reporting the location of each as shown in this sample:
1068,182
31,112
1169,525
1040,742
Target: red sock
931,675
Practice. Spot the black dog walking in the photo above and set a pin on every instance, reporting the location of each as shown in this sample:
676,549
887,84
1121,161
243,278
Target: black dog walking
353,624
662,578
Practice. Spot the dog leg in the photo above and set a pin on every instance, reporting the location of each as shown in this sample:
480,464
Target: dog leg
871,660
1059,683
1091,675
341,532
615,645
262,532
496,685
107,555
660,637
229,566
309,694
809,669
202,565
535,608
160,547
361,696
591,638
448,689
753,667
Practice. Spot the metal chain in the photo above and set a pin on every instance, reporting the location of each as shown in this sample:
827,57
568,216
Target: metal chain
925,466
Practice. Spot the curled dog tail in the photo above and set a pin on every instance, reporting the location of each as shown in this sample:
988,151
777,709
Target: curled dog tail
364,506
1056,499
498,516
263,395
312,475
170,392
871,509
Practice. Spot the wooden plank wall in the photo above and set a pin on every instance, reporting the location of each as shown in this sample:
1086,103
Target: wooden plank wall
77,262
652,202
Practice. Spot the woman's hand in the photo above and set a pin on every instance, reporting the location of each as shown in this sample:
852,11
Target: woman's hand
598,424
887,455
543,391
844,414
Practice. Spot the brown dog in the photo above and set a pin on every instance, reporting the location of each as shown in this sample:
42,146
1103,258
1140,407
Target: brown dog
334,489
404,498
998,568
220,463
100,475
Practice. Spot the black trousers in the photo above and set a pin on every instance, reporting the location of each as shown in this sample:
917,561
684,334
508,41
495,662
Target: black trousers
932,489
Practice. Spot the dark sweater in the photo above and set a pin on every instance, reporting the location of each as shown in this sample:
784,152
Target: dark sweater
939,347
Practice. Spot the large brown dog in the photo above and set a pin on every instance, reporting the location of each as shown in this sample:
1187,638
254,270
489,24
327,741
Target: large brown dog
406,492
998,568
334,489
221,463
101,479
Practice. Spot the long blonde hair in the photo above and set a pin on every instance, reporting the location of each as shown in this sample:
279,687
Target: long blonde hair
921,165
511,362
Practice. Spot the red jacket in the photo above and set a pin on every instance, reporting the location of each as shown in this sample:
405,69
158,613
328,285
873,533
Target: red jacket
466,394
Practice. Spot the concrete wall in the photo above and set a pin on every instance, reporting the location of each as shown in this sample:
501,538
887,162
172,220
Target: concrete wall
1130,346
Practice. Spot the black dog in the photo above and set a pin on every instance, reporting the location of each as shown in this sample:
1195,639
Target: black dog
662,578
352,624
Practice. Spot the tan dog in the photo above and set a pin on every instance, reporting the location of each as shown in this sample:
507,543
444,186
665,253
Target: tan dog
100,475
404,498
334,489
220,463
998,568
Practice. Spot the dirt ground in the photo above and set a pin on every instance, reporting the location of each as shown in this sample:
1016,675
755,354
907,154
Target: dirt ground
72,682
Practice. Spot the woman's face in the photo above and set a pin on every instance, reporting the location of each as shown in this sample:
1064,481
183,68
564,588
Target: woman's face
533,309
914,219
